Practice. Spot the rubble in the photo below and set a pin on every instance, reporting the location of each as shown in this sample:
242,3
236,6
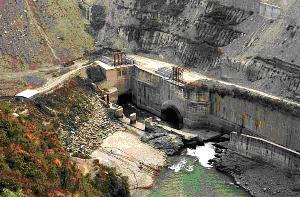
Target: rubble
89,136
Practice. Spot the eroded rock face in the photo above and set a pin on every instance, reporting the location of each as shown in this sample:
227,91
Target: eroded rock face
205,34
188,32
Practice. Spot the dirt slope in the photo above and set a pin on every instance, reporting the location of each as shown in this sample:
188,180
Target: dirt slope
34,34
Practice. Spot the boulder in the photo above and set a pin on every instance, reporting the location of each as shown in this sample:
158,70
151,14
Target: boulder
161,139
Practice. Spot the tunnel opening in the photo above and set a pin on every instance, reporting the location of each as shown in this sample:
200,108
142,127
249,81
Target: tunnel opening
173,117
125,99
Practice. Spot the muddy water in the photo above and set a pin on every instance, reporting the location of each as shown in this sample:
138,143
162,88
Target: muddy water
190,175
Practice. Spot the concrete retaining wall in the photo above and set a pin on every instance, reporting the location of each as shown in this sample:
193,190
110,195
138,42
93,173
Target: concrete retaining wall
258,148
278,127
153,93
269,11
256,6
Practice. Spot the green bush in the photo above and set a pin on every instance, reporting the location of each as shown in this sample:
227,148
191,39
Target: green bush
10,184
8,193
10,128
6,108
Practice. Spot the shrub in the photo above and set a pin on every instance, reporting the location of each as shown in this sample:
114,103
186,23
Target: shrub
6,108
8,193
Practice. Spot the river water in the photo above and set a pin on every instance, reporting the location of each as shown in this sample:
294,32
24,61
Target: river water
189,174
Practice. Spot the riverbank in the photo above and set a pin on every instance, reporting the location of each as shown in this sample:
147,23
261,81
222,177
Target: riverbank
95,139
259,178
132,158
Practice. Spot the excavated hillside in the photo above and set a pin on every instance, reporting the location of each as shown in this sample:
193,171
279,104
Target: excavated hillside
253,42
37,36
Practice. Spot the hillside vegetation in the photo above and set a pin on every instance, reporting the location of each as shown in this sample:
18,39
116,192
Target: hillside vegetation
33,160
34,34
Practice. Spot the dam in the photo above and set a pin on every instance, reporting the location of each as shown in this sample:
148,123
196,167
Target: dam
189,99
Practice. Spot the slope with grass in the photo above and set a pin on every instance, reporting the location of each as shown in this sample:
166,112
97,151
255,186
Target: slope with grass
33,159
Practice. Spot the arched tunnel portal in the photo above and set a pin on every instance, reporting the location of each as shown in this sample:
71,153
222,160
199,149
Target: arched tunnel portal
172,115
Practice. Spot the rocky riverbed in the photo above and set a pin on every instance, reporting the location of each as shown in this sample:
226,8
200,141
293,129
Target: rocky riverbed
104,138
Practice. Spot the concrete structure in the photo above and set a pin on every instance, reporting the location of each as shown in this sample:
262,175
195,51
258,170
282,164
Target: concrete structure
193,102
115,76
257,6
154,90
264,150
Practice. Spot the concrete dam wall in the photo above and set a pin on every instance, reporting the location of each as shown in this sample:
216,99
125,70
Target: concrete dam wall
258,120
197,101
264,150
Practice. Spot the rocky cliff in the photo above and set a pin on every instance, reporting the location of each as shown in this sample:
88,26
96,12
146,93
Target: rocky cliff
233,40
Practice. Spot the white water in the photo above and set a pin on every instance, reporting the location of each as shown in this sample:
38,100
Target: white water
177,167
203,154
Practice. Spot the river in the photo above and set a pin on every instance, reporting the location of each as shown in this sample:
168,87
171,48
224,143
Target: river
190,175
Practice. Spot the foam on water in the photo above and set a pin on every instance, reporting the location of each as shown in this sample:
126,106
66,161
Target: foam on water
203,154
178,166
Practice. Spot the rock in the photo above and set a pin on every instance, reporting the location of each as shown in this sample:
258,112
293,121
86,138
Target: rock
150,136
226,136
172,144
217,155
217,150
265,189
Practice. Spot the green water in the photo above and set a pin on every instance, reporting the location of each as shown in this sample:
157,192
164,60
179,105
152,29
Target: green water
189,175
199,181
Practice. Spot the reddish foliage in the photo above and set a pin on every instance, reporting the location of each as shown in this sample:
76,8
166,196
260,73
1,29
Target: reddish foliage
57,163
50,152
18,149
27,126
35,139
2,4
33,66
59,193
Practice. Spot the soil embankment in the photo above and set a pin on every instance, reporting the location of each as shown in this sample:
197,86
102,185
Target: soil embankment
91,134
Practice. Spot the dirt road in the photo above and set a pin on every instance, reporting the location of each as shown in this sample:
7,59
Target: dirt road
54,82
